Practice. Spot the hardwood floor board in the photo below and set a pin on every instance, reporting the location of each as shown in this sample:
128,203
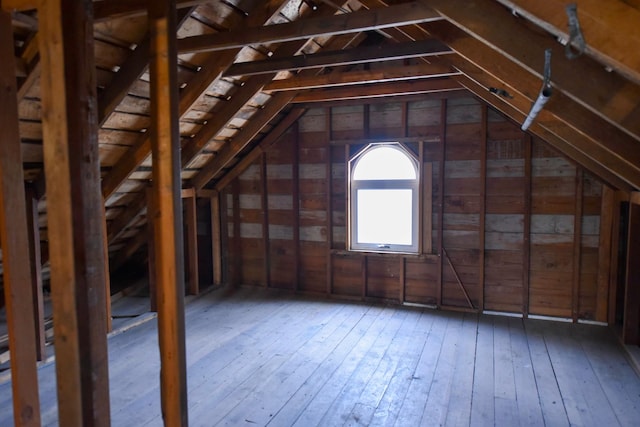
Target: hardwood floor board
435,410
339,411
326,396
527,396
459,406
268,397
506,405
391,404
259,357
416,398
313,386
378,385
482,407
551,403
617,378
579,387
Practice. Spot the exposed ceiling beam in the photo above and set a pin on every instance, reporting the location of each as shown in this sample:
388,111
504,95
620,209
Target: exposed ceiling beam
19,5
582,79
378,75
368,20
358,55
610,29
379,90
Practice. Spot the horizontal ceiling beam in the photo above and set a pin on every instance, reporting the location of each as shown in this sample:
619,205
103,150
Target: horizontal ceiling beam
368,20
358,55
110,9
379,90
436,68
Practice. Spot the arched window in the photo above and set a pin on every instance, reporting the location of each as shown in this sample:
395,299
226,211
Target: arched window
384,183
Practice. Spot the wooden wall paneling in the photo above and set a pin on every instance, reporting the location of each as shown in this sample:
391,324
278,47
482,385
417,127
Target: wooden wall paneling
167,216
151,253
216,238
402,280
483,202
631,323
191,220
526,247
14,236
577,242
36,270
329,202
441,165
264,194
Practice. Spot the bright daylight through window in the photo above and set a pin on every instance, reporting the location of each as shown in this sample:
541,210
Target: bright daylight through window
384,181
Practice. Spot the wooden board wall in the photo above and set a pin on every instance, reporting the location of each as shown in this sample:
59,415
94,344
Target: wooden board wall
520,223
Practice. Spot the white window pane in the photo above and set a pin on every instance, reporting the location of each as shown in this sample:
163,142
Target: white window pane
384,217
384,163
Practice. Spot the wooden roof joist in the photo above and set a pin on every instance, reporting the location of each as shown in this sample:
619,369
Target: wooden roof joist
357,55
368,20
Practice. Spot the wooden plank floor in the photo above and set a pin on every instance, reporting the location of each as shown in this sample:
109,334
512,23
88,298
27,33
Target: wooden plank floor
267,358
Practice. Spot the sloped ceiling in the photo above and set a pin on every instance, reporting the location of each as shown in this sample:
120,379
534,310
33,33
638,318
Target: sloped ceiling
248,68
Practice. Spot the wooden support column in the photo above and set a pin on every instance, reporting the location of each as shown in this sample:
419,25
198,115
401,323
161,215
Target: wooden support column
14,238
607,212
189,197
167,213
265,221
216,239
329,203
526,239
577,246
237,238
483,205
631,322
295,194
107,275
75,211
36,270
441,162
151,253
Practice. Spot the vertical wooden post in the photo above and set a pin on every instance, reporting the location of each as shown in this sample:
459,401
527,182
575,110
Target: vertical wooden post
605,248
577,246
36,270
295,194
14,241
483,205
76,247
192,241
631,322
526,240
614,260
237,238
265,221
216,239
441,163
167,213
107,275
329,204
151,253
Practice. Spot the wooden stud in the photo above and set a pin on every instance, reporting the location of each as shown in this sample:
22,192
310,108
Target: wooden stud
237,238
167,214
365,274
631,322
577,245
329,203
75,206
295,212
151,253
191,211
14,238
216,239
107,275
526,239
421,196
615,244
402,279
266,262
36,270
441,163
427,207
483,205
605,248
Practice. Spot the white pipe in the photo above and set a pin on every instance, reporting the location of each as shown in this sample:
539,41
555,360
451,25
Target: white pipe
544,96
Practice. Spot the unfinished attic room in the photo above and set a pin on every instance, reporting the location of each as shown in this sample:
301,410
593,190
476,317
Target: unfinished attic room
319,213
